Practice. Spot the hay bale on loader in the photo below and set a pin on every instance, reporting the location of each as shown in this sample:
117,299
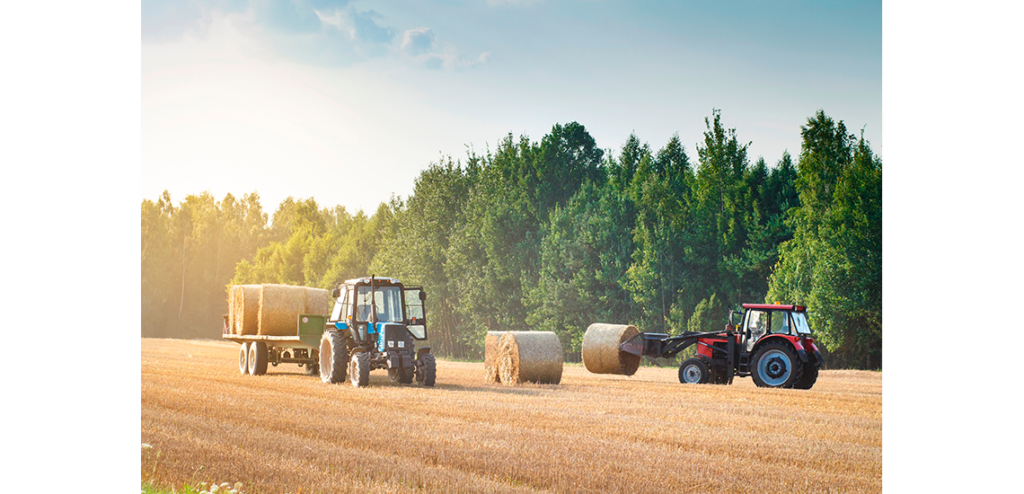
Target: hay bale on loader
278,309
529,356
246,309
491,356
601,354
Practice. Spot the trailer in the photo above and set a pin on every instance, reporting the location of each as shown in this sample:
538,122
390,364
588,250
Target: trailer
258,351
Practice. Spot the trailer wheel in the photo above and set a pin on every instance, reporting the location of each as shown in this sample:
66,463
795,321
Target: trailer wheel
243,359
694,371
427,371
333,357
360,369
809,378
257,358
776,366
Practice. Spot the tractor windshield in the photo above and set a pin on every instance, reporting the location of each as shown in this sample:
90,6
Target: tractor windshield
800,320
388,300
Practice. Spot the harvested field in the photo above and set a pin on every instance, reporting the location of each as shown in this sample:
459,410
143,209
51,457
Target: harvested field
591,433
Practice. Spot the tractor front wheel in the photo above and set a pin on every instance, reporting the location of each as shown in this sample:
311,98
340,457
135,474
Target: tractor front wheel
777,366
360,369
333,357
694,371
427,371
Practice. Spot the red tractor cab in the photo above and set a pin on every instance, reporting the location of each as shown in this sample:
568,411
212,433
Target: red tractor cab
773,344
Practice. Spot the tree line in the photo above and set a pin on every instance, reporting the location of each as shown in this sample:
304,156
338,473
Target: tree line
557,234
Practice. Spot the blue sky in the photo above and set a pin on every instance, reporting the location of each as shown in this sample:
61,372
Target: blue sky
309,98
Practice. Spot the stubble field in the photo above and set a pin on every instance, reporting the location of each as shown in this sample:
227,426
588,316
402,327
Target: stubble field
286,431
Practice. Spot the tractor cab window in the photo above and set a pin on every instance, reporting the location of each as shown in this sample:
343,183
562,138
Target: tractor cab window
780,323
387,299
757,323
800,322
336,313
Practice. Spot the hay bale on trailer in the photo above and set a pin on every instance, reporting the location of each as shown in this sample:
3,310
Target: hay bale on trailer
529,356
601,354
246,309
318,301
279,308
491,356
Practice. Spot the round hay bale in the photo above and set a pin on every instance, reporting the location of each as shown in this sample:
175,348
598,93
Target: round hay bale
247,309
491,355
232,290
279,308
529,356
601,354
318,301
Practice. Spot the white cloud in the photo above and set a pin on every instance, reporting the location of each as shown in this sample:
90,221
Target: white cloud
418,41
420,45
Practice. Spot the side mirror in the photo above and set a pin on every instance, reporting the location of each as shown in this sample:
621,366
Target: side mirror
336,293
423,295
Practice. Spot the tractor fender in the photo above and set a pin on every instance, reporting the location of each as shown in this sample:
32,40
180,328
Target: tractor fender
422,351
794,343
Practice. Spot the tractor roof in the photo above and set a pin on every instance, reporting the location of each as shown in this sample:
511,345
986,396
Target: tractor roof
799,308
365,280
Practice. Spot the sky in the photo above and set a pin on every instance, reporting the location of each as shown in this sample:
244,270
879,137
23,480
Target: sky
347,102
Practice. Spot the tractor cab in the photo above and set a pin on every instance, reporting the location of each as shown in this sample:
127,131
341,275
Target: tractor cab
375,324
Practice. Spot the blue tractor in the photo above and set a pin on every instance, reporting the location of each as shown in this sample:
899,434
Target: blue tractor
375,324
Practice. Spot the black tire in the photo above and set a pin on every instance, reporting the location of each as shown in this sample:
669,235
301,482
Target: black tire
400,376
809,378
312,369
694,371
243,359
360,370
776,366
427,370
719,375
257,358
333,357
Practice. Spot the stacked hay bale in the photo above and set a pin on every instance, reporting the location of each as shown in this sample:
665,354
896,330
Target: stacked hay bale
272,310
246,308
279,305
491,356
529,356
601,354
318,301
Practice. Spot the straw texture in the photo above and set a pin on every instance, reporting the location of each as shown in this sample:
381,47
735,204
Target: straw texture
246,308
318,301
491,356
279,308
601,354
529,356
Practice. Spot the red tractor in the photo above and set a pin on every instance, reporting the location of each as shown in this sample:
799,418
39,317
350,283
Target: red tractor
774,345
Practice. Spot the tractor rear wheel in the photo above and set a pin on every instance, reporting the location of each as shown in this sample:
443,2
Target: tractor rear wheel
360,369
333,357
243,359
809,378
257,358
694,371
776,366
427,371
